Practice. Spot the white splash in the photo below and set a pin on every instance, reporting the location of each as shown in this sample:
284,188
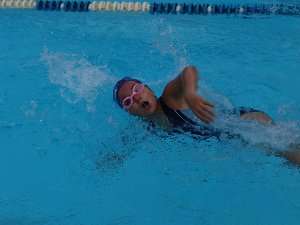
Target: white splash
78,79
167,46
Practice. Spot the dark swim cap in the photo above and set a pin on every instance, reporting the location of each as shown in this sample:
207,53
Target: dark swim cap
118,86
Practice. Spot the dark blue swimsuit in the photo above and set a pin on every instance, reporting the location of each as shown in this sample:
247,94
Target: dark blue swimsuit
182,123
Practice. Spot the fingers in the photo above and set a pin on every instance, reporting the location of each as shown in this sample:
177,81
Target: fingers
203,109
209,104
209,115
205,116
206,119
210,112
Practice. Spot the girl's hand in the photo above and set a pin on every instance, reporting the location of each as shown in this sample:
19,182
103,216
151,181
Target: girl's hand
200,107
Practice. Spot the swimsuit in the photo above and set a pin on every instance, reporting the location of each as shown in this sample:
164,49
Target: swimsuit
181,122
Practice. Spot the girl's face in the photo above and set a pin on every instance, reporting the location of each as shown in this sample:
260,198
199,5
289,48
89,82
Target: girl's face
144,103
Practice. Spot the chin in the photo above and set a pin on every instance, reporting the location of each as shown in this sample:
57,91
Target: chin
153,108
151,112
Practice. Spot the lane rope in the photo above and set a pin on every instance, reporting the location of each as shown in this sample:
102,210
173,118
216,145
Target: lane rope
152,8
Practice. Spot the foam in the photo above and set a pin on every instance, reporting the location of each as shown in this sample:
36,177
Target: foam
78,79
279,135
164,43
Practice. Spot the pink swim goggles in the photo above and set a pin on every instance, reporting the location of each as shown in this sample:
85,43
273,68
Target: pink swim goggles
128,101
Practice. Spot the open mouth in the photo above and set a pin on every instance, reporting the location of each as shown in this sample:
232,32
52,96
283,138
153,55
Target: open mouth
146,105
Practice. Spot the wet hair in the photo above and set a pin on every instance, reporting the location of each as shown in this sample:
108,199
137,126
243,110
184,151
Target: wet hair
119,85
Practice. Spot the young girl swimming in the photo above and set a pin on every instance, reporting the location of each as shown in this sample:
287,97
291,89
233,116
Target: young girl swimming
179,96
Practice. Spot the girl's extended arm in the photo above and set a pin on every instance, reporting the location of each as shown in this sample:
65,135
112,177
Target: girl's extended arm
182,92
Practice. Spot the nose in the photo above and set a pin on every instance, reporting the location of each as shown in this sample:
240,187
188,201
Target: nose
137,97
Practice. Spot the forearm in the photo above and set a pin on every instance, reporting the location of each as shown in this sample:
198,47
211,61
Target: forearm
182,92
183,85
189,81
200,107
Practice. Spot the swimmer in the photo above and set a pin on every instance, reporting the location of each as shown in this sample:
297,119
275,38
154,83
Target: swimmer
178,96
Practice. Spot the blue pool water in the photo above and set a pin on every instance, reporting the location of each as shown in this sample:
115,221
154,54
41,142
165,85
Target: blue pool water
69,155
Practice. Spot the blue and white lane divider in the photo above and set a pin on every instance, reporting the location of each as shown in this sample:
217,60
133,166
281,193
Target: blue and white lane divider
17,4
153,8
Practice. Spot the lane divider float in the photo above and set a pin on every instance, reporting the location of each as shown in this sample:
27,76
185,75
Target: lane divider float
152,8
17,4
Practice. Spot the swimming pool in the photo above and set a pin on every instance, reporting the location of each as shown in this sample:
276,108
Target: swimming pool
68,155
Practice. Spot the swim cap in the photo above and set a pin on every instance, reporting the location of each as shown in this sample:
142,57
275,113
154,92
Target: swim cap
119,85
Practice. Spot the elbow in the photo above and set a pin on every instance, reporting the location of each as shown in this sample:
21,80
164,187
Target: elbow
190,70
